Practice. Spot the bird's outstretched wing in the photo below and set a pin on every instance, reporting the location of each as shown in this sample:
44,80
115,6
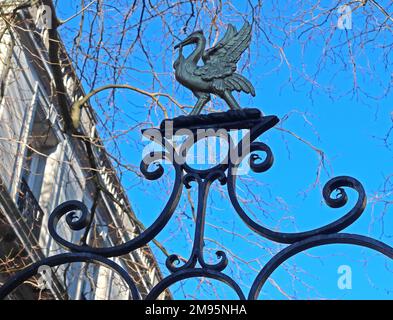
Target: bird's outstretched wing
220,60
229,34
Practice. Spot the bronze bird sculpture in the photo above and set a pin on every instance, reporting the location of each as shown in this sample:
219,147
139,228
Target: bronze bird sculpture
218,74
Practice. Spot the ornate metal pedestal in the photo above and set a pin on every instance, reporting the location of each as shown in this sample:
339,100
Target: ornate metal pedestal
226,174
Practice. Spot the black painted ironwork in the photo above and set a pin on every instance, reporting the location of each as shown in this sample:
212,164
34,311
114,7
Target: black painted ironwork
225,173
29,208
217,77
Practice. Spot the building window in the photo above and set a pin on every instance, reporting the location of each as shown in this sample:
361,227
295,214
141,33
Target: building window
42,146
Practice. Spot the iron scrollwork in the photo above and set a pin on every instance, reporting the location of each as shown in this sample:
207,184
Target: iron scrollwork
78,217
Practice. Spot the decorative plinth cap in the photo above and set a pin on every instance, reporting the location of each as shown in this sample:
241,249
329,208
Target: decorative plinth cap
232,119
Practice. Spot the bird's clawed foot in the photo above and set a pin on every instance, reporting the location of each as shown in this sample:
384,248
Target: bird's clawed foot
202,100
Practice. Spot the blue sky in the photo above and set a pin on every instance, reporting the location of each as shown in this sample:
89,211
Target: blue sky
346,126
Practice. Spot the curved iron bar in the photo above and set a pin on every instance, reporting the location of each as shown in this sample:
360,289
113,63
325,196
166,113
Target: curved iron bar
69,209
332,185
18,279
312,242
226,173
194,138
194,273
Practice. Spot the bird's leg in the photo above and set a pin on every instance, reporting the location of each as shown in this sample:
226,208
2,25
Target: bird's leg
230,100
203,98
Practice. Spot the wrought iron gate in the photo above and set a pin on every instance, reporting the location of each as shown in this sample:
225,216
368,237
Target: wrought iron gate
225,173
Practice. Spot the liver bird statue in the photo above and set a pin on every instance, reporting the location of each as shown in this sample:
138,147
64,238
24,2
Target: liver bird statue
218,74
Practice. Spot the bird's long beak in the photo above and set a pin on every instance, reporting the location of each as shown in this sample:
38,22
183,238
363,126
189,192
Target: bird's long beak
184,42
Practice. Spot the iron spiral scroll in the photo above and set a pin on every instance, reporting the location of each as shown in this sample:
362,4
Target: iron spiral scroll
186,176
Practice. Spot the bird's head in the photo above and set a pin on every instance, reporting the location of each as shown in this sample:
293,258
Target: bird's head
194,37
